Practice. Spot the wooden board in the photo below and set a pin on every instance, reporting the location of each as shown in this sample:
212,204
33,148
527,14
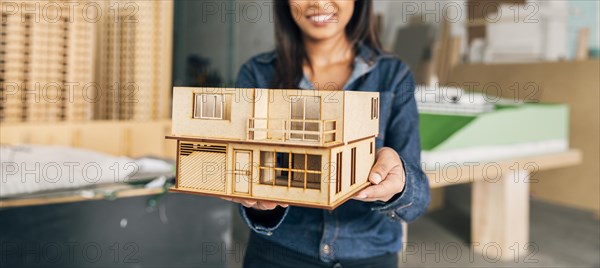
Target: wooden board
119,138
333,206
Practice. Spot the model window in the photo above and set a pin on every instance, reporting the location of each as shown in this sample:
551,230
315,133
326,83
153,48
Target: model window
306,113
267,165
209,106
338,170
374,108
353,166
290,170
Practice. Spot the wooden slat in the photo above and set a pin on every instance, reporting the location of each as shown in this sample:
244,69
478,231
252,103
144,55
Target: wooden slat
12,203
468,173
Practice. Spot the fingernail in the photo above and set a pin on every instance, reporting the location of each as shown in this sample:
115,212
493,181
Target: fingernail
376,178
361,196
285,206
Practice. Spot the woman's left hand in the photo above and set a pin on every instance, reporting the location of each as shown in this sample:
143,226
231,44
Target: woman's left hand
387,175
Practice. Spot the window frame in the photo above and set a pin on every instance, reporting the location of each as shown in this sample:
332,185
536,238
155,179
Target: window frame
272,168
374,108
201,115
339,173
353,166
303,99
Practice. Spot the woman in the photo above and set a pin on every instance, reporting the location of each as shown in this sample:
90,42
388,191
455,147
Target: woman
332,45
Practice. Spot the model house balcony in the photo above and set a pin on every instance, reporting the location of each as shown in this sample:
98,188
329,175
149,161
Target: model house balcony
304,131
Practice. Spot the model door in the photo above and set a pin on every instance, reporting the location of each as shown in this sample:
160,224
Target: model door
242,173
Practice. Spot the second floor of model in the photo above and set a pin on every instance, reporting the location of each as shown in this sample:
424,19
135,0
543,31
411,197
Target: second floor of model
303,117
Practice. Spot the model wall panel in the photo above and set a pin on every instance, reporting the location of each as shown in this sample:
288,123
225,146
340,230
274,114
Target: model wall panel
358,115
310,196
364,162
238,106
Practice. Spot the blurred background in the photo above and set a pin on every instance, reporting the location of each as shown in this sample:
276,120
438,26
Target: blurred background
508,94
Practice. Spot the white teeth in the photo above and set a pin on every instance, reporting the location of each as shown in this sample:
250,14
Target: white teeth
321,18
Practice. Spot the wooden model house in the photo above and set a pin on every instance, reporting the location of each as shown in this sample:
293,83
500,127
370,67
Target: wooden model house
301,147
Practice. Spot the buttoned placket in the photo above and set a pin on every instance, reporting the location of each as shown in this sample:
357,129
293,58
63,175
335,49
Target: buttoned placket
326,246
330,228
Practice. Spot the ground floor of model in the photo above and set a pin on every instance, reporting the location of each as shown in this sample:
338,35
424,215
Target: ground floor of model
294,174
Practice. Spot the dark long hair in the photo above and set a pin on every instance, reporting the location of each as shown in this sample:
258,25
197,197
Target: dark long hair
290,49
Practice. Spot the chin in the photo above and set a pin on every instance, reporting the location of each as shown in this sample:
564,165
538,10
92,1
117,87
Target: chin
320,35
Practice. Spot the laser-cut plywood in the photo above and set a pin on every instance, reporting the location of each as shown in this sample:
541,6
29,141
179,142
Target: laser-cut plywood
206,168
47,61
300,147
74,67
134,60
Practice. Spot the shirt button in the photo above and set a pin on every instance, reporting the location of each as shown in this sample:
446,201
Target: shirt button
392,214
337,265
269,233
326,249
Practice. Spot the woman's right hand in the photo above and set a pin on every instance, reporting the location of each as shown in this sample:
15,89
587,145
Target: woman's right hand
256,204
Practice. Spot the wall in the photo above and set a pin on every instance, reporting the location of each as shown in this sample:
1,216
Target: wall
282,193
364,161
226,32
231,32
240,109
358,122
399,13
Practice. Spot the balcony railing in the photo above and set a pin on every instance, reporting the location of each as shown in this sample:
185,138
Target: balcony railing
297,130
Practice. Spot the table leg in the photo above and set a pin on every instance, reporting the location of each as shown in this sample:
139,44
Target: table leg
500,216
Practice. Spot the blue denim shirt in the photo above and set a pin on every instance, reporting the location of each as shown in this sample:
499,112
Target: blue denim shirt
356,229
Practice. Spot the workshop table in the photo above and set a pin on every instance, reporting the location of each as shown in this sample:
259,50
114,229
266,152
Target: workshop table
500,197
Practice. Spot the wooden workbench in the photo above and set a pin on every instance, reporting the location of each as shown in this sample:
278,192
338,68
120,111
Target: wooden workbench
500,197
109,191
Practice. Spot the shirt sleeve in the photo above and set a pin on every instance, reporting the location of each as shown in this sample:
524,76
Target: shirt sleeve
402,135
262,222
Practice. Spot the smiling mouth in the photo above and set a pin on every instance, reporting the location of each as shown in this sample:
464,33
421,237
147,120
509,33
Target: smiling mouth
322,18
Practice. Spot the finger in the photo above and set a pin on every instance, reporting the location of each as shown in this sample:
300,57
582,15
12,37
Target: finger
266,205
384,191
236,200
252,203
248,203
387,159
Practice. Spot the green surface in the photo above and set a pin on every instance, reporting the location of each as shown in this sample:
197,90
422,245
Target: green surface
506,125
437,128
